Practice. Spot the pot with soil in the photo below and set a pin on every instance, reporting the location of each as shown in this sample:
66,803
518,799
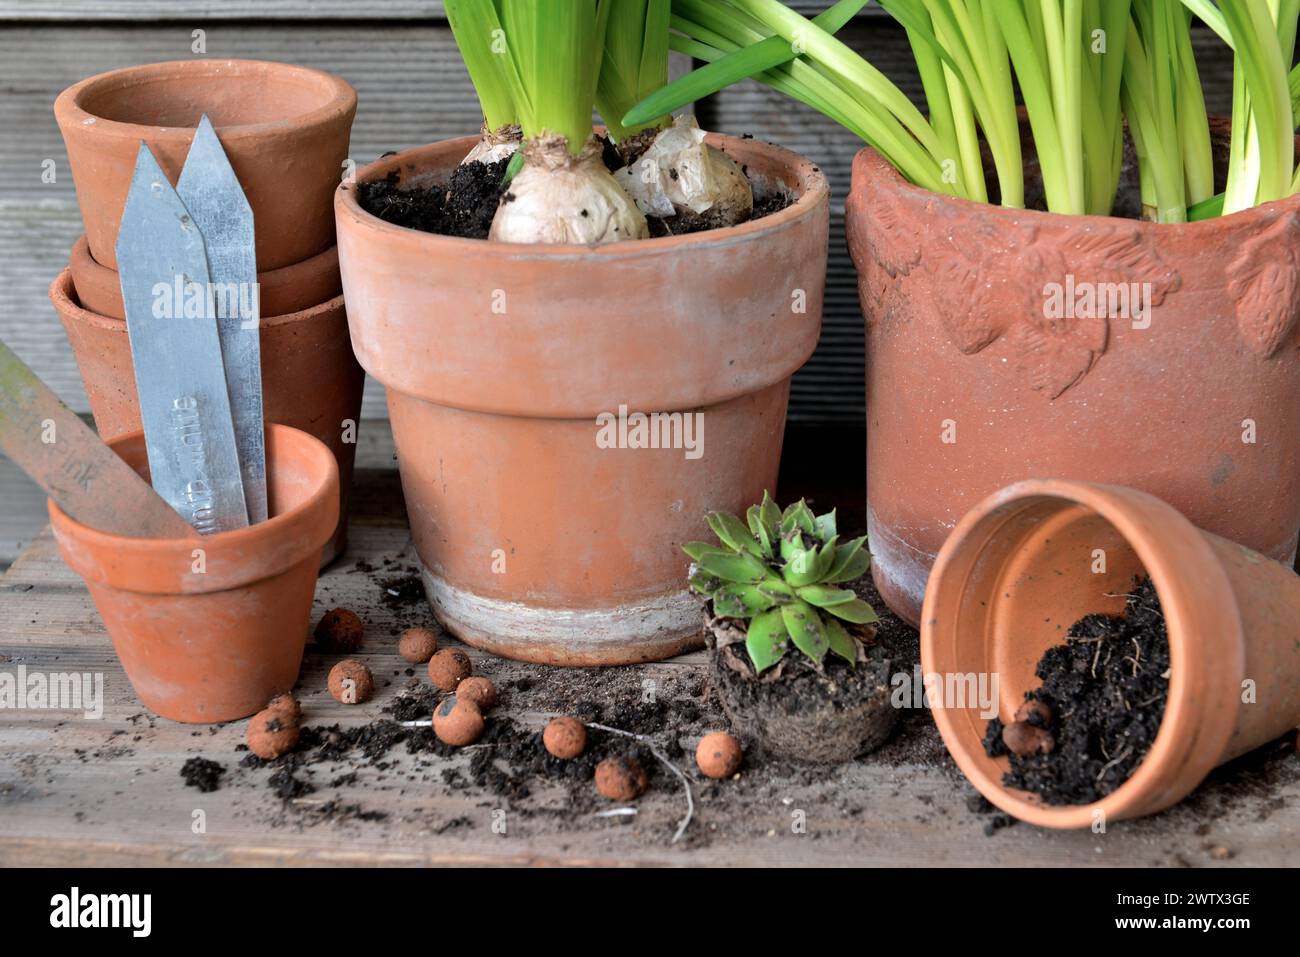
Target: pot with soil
521,381
311,379
794,660
1004,343
213,636
1099,716
285,129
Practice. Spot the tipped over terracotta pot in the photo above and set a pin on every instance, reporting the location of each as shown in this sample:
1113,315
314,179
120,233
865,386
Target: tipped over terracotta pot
986,364
310,378
505,365
1029,561
285,129
208,629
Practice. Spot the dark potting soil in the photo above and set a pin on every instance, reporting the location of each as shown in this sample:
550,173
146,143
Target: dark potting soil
202,774
464,206
1106,690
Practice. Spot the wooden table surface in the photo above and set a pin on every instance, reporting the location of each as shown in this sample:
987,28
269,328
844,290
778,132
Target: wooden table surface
75,791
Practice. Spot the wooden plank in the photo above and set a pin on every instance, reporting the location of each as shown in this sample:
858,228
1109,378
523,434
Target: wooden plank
152,10
108,791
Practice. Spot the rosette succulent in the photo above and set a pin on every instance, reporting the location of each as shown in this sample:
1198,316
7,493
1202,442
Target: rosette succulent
778,571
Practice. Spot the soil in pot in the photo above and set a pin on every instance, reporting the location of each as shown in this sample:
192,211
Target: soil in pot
465,205
795,710
1098,709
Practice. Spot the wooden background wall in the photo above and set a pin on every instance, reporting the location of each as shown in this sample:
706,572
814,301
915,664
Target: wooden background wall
412,90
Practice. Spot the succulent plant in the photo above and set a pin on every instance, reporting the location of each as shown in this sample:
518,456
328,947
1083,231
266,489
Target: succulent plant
778,571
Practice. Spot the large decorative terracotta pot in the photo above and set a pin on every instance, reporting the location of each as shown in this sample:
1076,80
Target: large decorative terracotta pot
504,366
985,364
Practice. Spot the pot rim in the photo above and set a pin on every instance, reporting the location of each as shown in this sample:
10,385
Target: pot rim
61,290
869,164
813,189
302,528
338,97
1202,621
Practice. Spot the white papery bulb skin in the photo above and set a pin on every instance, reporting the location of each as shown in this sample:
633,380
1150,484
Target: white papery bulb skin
494,145
561,198
680,173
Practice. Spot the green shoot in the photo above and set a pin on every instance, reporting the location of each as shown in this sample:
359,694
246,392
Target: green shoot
476,26
635,63
777,570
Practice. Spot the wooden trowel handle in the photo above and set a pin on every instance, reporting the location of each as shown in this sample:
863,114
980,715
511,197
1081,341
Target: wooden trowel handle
76,469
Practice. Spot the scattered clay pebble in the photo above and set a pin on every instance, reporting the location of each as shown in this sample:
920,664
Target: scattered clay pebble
1221,853
457,722
270,736
286,706
620,779
339,631
351,682
718,755
479,690
417,645
1034,712
1023,739
566,738
449,667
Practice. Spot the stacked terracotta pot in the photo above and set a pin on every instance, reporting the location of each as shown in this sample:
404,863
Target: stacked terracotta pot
285,129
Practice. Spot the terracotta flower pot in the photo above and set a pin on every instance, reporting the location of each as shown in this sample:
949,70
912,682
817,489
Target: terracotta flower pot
280,291
971,386
310,378
212,637
284,127
536,542
1023,566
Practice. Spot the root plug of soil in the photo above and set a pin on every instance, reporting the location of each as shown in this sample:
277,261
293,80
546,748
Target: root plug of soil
1105,691
465,204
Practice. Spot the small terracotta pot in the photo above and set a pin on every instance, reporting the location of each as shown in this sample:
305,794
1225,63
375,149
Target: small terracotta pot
284,127
498,358
310,378
1026,563
971,387
280,291
216,644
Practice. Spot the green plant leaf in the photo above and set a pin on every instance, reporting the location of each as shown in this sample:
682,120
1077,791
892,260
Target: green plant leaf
799,516
856,611
777,590
823,596
826,529
698,549
743,568
851,561
765,639
704,583
733,533
801,569
841,641
754,518
771,515
792,544
826,557
806,629
740,601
